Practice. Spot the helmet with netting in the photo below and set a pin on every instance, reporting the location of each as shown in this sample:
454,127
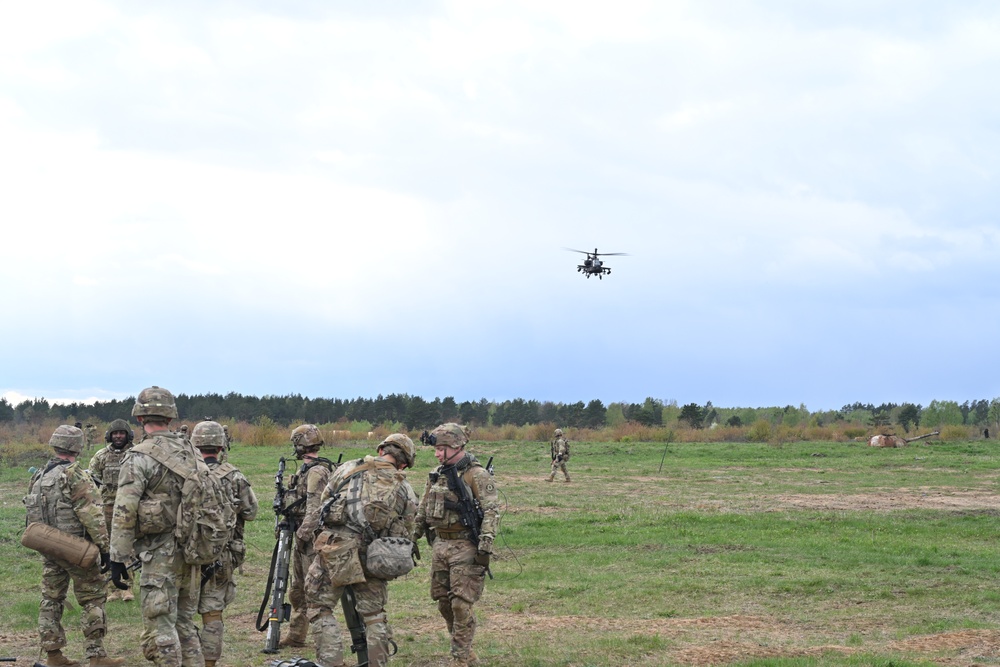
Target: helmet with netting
558,431
67,438
400,447
306,437
155,402
208,435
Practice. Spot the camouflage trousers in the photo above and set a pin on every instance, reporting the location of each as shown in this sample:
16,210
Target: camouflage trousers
302,558
457,583
324,606
217,594
89,590
556,467
168,594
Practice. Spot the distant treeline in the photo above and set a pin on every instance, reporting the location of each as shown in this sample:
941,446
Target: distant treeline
415,412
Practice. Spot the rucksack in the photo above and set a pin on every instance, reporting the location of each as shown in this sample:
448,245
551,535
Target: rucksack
205,517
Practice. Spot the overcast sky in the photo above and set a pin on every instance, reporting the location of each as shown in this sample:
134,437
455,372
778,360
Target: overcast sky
347,199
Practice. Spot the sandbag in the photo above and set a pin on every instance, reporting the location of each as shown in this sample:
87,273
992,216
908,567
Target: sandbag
54,543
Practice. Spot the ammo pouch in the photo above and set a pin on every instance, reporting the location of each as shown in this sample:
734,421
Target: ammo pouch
238,552
54,543
153,518
340,559
389,557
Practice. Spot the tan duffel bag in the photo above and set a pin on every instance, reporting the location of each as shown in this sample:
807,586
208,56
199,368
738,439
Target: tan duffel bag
54,543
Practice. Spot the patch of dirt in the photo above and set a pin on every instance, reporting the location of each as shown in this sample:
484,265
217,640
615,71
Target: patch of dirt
924,498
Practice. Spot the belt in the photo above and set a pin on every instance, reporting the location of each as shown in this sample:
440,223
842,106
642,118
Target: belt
452,534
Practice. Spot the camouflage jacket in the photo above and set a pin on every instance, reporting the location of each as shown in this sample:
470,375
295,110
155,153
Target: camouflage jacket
560,448
64,496
433,510
104,467
304,491
403,505
149,495
244,502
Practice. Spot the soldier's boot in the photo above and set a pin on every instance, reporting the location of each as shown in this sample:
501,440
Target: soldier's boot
113,594
210,663
128,595
567,479
57,659
291,642
550,478
105,661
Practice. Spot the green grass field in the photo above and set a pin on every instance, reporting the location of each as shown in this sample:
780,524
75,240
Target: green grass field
733,554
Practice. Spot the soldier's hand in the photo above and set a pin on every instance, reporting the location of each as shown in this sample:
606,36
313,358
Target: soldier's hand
483,558
119,575
105,561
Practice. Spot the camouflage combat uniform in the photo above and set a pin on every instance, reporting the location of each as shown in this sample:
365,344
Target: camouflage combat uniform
372,595
457,581
146,505
560,455
304,491
64,496
104,467
219,590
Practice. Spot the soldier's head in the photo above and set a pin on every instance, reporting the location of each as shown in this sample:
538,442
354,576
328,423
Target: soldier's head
67,440
78,424
209,438
156,406
184,429
449,442
400,448
119,434
306,439
558,432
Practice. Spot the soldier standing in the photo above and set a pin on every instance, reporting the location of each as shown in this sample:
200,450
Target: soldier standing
344,523
168,587
559,448
458,567
104,467
302,509
219,588
63,496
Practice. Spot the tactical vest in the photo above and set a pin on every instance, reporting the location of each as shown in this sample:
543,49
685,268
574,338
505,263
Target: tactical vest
439,496
295,499
46,503
109,476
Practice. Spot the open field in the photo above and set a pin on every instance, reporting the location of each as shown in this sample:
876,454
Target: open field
735,554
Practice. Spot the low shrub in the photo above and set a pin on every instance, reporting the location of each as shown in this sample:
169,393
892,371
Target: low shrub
760,431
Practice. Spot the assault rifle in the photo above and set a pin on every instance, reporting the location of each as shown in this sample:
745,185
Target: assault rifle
277,578
468,508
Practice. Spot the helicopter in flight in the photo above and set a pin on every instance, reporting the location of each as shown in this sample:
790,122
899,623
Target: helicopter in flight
593,266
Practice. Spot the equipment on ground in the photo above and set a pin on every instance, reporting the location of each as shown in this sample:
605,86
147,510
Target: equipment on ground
593,266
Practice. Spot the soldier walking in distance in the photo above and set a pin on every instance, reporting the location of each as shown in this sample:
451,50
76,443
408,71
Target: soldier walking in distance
62,495
104,468
302,509
458,567
560,455
354,492
219,588
168,587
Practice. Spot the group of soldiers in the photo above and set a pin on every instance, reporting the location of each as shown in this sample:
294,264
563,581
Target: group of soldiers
127,505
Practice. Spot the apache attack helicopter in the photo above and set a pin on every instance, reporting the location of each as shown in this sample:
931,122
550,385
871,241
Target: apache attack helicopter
593,266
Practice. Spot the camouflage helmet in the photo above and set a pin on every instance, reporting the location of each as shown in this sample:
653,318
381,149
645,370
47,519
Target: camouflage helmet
451,435
155,401
119,425
400,447
67,438
208,435
558,431
306,437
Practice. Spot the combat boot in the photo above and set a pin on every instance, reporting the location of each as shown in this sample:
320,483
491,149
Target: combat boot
128,595
291,642
210,663
57,659
105,661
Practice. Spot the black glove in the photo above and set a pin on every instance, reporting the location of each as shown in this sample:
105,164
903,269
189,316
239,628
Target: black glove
119,575
483,558
105,561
